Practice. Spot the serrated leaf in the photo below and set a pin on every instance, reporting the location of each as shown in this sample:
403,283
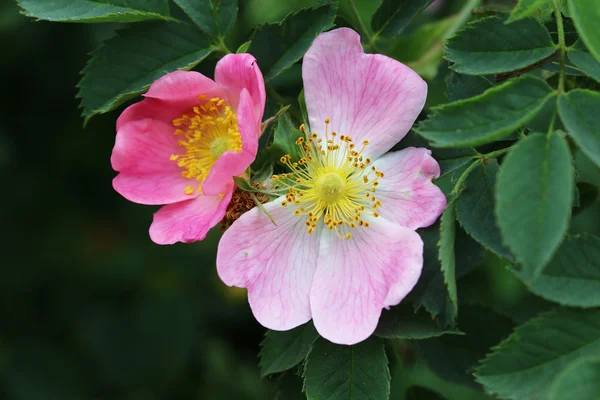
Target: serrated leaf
522,366
393,16
277,47
585,62
462,87
586,14
359,13
402,322
488,117
214,17
446,250
284,141
127,64
95,10
475,207
572,277
420,393
529,8
533,204
283,350
453,164
578,111
454,357
338,372
579,380
489,46
431,292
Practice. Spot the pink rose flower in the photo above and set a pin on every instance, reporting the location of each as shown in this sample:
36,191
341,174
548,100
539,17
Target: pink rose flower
183,144
345,245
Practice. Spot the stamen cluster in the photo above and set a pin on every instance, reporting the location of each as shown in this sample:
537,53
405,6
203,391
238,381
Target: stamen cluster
209,131
332,180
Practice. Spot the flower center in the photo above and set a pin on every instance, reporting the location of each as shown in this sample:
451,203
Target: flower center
332,181
330,187
205,135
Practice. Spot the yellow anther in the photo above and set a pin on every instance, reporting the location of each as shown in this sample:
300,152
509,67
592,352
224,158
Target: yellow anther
302,128
327,120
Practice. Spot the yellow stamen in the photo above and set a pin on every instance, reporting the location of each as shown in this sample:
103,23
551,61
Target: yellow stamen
331,182
208,131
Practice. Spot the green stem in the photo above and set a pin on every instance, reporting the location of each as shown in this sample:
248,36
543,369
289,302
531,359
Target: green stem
495,154
222,47
463,178
561,45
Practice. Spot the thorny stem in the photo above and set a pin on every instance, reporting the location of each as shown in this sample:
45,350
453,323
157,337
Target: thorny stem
562,46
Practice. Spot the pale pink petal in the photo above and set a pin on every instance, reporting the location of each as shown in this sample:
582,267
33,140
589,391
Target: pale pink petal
232,163
356,278
275,263
366,96
406,191
236,72
142,157
190,220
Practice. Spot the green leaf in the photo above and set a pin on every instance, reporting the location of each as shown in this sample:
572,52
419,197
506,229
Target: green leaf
446,250
277,47
586,14
585,62
284,141
454,357
281,351
578,381
534,198
338,372
393,16
578,111
420,393
431,292
476,206
127,64
359,14
402,322
95,10
489,46
529,8
243,47
572,277
523,365
453,164
214,17
462,87
303,111
488,117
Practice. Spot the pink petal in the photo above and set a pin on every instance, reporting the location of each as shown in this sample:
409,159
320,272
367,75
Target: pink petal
142,157
275,263
170,97
356,278
236,72
408,196
189,221
232,163
366,96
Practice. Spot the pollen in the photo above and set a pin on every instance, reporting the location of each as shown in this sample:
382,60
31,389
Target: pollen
205,133
332,182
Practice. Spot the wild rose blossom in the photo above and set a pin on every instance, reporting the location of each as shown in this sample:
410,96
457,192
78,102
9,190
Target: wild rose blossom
345,245
183,144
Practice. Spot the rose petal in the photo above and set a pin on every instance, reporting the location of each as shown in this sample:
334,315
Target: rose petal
366,96
406,191
356,278
275,263
142,156
189,221
232,163
236,72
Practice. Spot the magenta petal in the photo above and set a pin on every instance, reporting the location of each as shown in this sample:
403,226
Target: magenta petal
232,163
142,157
236,72
406,191
356,278
182,88
189,221
275,263
366,96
